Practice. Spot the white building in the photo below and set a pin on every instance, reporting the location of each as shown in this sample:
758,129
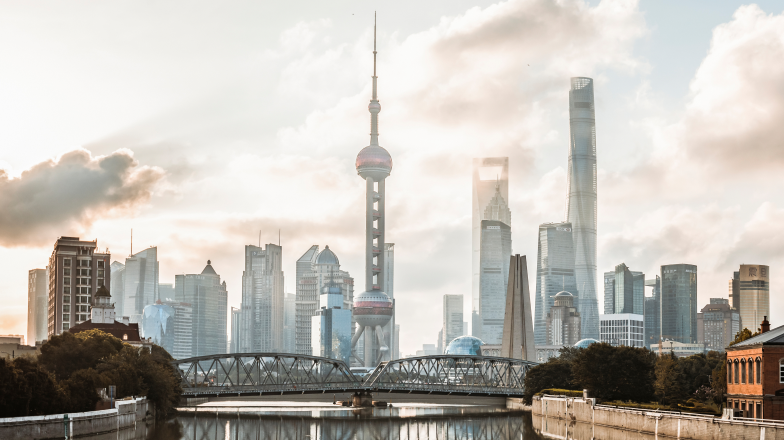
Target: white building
622,329
679,348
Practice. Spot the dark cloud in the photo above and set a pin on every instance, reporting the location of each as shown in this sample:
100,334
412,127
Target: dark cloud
65,196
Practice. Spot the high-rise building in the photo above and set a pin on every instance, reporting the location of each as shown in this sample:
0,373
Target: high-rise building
717,324
140,287
117,286
373,309
563,321
679,303
554,273
165,291
490,176
396,354
389,288
76,271
289,323
314,271
652,313
208,298
581,200
518,339
261,317
37,296
751,294
622,329
234,338
157,323
183,329
624,291
496,248
331,325
452,324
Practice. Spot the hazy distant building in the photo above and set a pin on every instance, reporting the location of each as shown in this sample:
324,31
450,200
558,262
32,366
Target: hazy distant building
37,307
314,271
158,324
750,291
490,176
717,324
76,271
581,200
140,284
652,311
495,250
290,323
452,324
166,291
679,302
208,298
183,329
117,284
331,326
261,317
563,321
389,288
396,353
622,329
554,273
234,336
680,349
624,291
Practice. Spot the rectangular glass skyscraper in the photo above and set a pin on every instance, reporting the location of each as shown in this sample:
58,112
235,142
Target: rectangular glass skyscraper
140,288
581,200
679,302
261,318
496,247
624,291
554,273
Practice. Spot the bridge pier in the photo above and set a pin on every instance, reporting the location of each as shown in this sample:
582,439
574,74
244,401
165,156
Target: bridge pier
362,398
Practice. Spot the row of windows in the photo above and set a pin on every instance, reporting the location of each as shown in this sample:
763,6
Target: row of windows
83,263
737,372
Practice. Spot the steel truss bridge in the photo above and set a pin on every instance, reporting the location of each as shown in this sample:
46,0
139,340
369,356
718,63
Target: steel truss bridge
259,374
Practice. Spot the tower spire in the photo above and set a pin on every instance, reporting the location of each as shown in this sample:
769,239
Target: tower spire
374,108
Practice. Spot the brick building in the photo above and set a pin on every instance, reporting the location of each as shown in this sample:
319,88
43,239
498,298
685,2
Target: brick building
755,374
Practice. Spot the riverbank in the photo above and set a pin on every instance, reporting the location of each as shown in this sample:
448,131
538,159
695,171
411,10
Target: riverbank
581,418
126,414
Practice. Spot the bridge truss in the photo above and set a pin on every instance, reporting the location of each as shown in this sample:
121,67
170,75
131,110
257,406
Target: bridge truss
256,374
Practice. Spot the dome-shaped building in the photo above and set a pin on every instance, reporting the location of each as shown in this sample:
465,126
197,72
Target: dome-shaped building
584,343
327,257
466,346
372,308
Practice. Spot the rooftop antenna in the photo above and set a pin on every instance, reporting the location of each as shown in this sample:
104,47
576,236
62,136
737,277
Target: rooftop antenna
131,241
259,237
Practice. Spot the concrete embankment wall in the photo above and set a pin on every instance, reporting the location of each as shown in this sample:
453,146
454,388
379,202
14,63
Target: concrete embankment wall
125,415
581,416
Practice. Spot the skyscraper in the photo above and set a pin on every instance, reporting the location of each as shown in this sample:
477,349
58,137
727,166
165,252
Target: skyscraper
140,287
37,295
157,323
331,325
208,298
563,321
289,323
314,271
624,291
234,338
76,271
389,288
717,324
452,322
554,273
581,200
652,312
753,295
117,286
373,309
261,312
679,302
518,339
490,175
495,250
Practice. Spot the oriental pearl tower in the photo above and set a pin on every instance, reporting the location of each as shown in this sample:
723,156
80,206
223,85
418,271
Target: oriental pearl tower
373,309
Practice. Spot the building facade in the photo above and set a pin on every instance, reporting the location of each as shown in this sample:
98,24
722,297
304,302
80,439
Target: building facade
563,321
624,291
753,295
158,324
489,175
140,284
619,329
755,374
452,322
208,298
389,288
183,329
331,326
314,271
680,349
76,270
234,335
290,323
717,324
554,273
679,303
37,296
652,313
582,197
496,248
261,317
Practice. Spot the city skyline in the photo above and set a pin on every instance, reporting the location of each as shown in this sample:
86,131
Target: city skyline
429,210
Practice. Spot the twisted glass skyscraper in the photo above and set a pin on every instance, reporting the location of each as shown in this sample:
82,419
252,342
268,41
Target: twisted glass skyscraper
581,200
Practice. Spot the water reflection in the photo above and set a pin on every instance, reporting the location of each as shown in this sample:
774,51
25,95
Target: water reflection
563,429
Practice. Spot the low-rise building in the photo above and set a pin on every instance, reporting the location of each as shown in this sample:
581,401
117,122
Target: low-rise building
546,352
622,329
680,349
755,374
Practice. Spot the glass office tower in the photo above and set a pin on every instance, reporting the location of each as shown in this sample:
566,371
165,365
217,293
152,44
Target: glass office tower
679,302
653,312
554,273
624,291
140,287
208,298
581,201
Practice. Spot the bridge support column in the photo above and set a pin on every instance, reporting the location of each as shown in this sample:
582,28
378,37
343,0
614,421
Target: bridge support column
362,398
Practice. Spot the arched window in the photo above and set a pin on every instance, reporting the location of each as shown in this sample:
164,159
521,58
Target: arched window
729,372
781,371
750,364
737,374
743,371
759,372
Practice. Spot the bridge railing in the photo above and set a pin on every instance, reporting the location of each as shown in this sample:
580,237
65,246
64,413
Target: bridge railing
452,374
259,372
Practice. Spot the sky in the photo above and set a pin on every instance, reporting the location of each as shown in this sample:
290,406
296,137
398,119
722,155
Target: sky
207,126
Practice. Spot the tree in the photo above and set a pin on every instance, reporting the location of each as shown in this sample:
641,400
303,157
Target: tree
67,353
615,373
81,388
743,335
695,370
26,389
719,379
668,385
554,373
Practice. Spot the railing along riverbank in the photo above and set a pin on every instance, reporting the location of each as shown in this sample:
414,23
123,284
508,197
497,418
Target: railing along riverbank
125,414
578,417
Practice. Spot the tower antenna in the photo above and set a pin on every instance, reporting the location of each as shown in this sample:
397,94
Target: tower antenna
259,237
131,241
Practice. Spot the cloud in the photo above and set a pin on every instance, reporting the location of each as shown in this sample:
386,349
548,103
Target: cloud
65,196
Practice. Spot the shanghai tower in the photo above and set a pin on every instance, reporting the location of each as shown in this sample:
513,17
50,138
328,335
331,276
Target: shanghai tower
581,200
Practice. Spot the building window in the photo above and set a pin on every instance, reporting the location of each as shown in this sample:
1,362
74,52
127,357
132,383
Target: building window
67,290
759,374
66,309
66,326
66,299
67,262
125,336
751,371
743,371
781,371
66,317
759,410
66,280
100,263
737,374
67,272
